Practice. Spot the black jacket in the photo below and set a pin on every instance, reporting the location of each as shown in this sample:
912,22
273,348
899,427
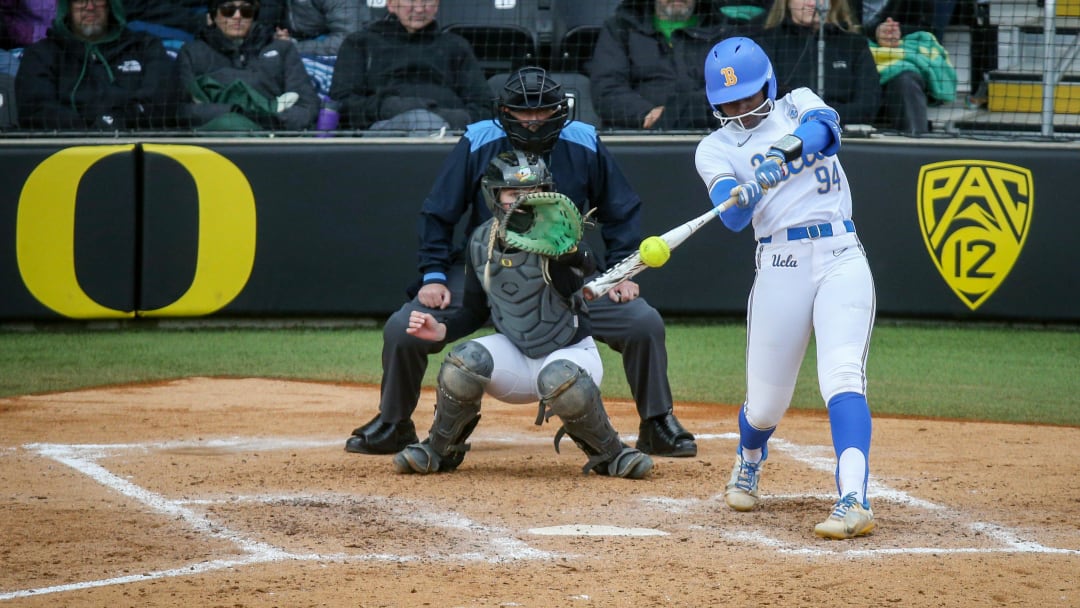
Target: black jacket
123,80
912,15
634,69
384,70
270,66
851,78
581,165
186,15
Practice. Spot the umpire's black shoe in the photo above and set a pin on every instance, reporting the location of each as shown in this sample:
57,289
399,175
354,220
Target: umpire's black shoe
378,437
664,436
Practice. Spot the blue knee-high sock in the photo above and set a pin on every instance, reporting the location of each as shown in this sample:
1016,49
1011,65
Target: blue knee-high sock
849,419
751,437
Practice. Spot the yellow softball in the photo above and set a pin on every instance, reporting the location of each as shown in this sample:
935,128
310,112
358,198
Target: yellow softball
654,252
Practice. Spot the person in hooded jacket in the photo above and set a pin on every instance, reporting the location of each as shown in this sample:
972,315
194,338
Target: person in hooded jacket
241,77
402,72
647,70
91,72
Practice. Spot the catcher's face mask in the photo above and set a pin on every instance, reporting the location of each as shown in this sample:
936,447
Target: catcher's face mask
522,218
512,171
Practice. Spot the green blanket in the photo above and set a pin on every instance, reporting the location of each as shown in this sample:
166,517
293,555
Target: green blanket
919,52
239,95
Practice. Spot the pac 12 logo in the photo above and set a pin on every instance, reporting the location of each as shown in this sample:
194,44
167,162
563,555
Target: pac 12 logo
975,216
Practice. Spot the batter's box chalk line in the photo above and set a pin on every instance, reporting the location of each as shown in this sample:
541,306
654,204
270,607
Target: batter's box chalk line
501,543
820,458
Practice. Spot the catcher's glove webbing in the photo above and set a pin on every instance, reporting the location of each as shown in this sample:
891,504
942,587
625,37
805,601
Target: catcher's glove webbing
556,226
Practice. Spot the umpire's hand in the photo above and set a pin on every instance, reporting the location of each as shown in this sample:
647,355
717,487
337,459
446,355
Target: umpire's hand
434,295
625,291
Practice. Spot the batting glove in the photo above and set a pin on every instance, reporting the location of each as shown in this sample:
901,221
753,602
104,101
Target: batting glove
771,172
749,194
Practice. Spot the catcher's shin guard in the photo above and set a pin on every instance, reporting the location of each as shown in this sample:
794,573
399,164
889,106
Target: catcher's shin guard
568,392
462,378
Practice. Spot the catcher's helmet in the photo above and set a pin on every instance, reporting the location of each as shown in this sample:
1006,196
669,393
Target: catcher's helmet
515,169
737,68
531,88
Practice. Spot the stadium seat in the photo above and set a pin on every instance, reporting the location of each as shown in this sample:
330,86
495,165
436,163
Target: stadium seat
575,86
577,25
504,34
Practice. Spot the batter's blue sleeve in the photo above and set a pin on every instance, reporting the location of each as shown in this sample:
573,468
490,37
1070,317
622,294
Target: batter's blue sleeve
734,217
820,132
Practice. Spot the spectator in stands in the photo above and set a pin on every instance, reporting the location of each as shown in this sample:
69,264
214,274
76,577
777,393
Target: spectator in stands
240,77
790,39
24,22
647,70
402,73
91,72
318,27
886,23
175,20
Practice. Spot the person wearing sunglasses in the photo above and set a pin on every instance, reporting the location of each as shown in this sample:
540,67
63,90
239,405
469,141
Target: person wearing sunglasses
91,72
240,77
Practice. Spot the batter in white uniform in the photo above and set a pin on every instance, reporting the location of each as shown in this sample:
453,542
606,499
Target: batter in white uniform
779,157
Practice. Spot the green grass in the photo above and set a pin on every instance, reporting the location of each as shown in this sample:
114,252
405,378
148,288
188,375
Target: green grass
947,371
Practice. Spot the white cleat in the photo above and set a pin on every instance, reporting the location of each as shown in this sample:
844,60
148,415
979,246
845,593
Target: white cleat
741,493
848,520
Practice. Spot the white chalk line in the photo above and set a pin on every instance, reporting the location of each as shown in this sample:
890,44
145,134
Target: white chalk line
82,457
821,458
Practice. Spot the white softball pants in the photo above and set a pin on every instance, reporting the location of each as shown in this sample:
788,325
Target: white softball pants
822,285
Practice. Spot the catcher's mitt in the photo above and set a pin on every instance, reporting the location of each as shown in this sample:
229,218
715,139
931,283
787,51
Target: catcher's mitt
556,225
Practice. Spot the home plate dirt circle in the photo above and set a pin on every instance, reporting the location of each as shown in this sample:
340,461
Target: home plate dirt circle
238,492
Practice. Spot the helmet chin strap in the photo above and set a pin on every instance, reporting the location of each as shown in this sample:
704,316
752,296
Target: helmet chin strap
761,111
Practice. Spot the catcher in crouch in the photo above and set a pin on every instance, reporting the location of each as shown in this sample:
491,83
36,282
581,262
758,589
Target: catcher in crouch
524,269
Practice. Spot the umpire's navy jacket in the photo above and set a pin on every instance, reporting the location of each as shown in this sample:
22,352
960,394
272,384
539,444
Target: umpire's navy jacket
581,166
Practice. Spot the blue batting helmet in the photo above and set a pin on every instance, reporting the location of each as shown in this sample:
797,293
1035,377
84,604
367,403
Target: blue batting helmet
735,69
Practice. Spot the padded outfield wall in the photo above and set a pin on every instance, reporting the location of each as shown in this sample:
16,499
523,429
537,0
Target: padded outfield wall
280,228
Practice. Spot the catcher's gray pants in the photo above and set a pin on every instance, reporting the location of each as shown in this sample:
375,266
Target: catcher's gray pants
634,329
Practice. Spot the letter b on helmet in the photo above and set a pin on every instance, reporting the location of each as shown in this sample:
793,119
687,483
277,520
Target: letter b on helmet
735,69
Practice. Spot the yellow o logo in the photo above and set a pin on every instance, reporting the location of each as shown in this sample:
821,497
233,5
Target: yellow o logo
226,251
45,232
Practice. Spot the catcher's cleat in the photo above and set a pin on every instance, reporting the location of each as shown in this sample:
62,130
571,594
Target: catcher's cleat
664,436
847,520
378,437
741,492
629,464
417,458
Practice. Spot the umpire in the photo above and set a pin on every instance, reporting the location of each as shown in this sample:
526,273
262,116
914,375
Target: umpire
532,116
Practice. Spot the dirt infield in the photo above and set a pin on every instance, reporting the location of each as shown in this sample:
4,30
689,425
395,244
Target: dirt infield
237,493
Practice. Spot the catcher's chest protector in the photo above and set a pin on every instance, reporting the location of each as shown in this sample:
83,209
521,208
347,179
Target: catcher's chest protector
524,307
